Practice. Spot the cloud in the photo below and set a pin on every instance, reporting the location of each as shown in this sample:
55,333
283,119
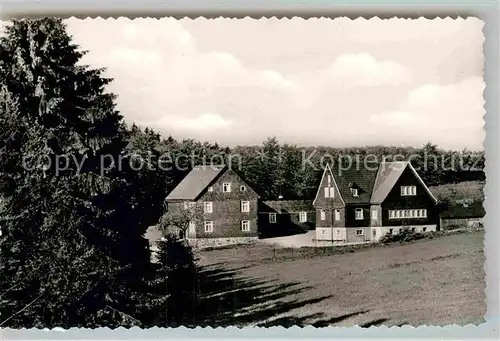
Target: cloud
204,122
362,69
449,115
330,82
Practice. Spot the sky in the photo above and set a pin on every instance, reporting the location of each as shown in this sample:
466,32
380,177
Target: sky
309,82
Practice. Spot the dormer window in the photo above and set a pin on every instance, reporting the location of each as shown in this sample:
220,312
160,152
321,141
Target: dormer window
354,192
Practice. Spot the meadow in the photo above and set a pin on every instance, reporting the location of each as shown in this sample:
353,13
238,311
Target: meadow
434,282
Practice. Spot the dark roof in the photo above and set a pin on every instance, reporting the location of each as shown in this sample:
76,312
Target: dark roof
387,176
195,182
361,178
286,206
461,211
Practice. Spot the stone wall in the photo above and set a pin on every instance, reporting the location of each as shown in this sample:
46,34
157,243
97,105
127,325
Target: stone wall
201,243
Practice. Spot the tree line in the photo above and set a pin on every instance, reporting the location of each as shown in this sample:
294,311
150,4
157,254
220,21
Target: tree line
290,171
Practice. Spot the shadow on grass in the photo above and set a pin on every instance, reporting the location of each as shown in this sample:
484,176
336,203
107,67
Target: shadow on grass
226,298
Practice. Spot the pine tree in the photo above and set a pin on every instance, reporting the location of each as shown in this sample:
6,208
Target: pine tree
71,250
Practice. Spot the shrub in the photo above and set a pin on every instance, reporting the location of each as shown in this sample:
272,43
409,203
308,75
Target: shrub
404,236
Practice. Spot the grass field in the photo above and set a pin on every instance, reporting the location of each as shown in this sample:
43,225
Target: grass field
432,282
472,190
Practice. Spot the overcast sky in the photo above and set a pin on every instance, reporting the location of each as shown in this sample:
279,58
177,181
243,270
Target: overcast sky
332,82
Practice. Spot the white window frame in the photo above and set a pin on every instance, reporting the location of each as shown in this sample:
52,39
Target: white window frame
243,188
360,234
332,192
354,192
245,225
411,214
322,214
329,192
245,206
208,226
302,217
337,215
356,214
188,205
226,187
375,214
208,207
273,219
408,190
210,188
192,227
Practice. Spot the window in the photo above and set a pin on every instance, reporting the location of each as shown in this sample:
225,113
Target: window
226,187
424,229
192,228
302,217
243,188
245,225
329,192
188,205
208,207
391,231
322,214
408,190
272,218
337,214
359,214
209,226
359,232
413,229
374,214
420,213
245,206
354,192
210,188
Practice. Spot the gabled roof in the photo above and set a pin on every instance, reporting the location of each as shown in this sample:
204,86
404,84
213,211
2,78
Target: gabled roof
329,170
199,178
360,178
387,176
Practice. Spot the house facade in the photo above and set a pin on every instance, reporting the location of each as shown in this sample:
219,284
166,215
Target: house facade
222,206
360,204
283,217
